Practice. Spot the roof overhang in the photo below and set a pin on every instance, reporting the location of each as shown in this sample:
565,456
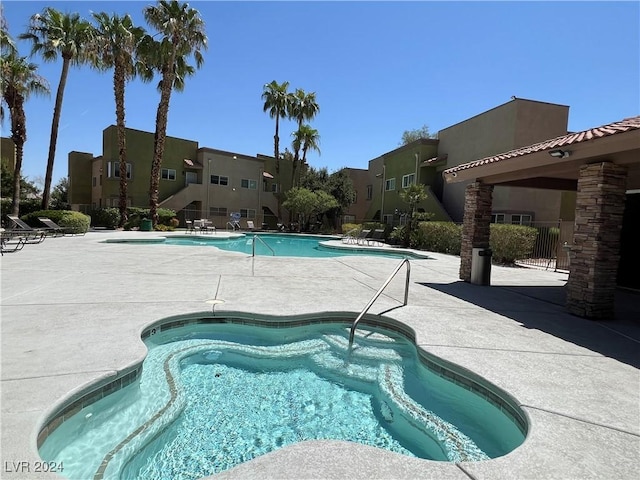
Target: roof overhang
538,169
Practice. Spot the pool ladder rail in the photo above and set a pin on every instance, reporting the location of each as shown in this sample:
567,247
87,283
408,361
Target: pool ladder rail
253,246
378,293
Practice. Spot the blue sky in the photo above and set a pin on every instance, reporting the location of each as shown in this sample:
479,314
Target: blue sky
378,69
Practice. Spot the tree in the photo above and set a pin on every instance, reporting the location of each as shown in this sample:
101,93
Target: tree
413,195
183,35
27,188
412,135
18,81
276,102
307,203
305,138
302,106
116,44
337,184
54,34
60,195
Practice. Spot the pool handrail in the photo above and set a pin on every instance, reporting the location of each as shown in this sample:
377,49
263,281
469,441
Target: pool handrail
253,246
378,293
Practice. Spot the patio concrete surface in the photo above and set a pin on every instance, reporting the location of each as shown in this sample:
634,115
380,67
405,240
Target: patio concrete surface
73,309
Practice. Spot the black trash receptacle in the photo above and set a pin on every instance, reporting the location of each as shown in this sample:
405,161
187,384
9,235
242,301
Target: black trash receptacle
481,266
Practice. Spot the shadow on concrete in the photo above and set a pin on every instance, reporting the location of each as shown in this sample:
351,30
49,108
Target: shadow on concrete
543,308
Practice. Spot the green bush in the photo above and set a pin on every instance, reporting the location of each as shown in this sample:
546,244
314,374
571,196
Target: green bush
348,227
72,222
136,214
442,237
105,217
511,242
26,206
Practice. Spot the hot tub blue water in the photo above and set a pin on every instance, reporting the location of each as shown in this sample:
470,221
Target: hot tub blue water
212,396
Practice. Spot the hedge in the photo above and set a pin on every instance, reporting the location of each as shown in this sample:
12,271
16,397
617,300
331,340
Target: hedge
72,222
442,237
110,217
511,242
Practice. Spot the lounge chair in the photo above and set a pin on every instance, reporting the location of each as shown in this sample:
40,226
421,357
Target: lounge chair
53,227
10,243
22,229
363,236
377,236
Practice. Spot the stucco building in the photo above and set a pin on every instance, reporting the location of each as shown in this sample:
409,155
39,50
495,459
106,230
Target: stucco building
516,123
196,182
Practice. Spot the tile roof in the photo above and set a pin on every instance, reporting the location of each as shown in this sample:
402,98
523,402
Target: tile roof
632,123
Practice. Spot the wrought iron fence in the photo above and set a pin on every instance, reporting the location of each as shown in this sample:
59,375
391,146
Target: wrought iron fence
552,246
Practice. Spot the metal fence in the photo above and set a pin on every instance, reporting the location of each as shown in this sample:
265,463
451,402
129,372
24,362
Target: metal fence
551,248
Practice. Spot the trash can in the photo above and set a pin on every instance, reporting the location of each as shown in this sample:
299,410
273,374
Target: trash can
146,225
481,266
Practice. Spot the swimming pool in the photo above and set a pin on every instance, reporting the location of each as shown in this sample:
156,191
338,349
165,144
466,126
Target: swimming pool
214,392
280,245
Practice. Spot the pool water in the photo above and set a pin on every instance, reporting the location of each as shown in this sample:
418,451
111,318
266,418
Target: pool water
214,396
279,245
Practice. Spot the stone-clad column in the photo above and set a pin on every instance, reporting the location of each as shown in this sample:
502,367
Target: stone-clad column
595,252
478,198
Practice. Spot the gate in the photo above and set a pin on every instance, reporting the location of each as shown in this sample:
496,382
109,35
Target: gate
552,245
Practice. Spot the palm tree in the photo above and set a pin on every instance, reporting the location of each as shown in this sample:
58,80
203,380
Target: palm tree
184,35
305,139
303,106
19,80
116,43
277,103
55,33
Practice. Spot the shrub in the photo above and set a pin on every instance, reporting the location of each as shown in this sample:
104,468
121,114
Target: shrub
442,237
136,214
105,217
348,227
73,222
26,206
511,242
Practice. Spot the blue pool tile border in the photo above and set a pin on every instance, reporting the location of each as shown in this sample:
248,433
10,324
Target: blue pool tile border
451,372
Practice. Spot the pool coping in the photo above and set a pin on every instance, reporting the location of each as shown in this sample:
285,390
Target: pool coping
84,398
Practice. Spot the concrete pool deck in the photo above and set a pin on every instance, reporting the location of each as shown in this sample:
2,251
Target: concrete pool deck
73,309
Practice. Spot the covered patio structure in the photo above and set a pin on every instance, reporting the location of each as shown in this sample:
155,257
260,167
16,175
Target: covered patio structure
602,165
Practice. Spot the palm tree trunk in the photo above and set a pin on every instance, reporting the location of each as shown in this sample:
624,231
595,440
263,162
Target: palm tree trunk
19,136
118,88
276,149
57,111
158,146
15,209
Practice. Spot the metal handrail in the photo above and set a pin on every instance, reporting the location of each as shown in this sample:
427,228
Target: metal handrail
378,293
253,246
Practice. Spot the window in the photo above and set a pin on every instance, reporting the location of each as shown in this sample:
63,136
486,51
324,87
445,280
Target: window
274,188
94,181
408,180
349,219
219,180
218,211
113,170
369,192
168,174
390,184
250,184
247,212
497,218
387,219
520,219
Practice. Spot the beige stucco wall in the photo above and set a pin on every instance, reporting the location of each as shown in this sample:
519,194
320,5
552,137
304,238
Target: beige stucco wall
361,178
514,124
